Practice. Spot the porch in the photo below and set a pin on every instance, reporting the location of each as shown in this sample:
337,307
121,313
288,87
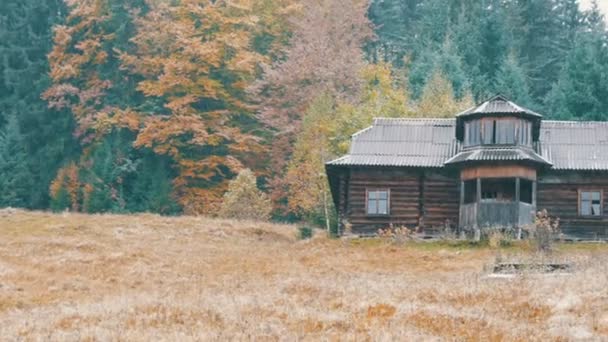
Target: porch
497,202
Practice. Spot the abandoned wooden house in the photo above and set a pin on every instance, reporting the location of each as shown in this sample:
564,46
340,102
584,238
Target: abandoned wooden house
493,165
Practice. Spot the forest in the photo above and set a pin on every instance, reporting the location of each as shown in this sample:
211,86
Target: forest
129,106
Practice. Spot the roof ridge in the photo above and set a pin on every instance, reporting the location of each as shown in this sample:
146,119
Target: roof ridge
412,119
574,121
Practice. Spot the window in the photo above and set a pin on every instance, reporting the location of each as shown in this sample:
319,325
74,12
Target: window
470,191
525,191
472,133
590,203
505,131
498,189
488,132
378,202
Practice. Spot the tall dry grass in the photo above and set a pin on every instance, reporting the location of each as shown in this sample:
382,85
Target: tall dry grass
91,277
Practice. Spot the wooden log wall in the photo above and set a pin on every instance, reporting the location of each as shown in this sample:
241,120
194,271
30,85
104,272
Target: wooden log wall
417,198
558,193
404,198
441,200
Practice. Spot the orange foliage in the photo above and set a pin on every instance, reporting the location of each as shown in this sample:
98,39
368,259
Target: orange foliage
195,57
67,178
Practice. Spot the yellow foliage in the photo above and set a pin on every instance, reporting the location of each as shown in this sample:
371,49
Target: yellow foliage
438,99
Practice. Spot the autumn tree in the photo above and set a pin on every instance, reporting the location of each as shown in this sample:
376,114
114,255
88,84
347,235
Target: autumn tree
326,132
309,193
244,200
197,59
382,95
324,55
438,100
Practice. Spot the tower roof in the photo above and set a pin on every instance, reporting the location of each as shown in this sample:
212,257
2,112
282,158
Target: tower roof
498,105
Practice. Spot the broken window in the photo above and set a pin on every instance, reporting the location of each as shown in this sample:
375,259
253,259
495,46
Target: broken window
590,203
378,202
499,189
470,191
525,191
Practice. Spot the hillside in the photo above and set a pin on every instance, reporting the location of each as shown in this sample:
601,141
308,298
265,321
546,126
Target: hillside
91,277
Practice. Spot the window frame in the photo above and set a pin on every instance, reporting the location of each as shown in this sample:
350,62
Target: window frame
590,190
388,201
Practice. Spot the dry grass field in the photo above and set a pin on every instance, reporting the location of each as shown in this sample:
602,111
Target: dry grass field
103,278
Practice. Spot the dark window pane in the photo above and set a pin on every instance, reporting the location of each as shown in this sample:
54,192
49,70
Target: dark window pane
470,191
595,209
525,191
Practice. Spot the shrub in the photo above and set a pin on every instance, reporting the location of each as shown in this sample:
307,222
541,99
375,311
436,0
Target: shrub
543,231
398,235
497,237
305,233
244,200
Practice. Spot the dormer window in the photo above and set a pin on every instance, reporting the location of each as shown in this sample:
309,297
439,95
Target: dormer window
497,131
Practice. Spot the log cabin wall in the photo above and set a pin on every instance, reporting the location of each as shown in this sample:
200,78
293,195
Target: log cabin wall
417,197
558,192
404,198
441,200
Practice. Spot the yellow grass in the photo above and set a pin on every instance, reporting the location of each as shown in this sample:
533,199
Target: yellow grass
146,277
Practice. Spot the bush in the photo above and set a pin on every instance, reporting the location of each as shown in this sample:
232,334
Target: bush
244,200
497,237
305,233
398,235
543,231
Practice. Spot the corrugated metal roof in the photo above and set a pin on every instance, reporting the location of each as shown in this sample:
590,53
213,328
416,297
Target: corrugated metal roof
498,105
572,145
568,145
497,154
403,142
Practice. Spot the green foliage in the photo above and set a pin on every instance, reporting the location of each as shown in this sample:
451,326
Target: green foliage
305,233
511,82
15,176
244,200
46,135
61,201
581,92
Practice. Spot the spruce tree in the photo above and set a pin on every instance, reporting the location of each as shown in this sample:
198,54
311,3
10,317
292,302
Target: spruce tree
15,175
26,36
581,92
511,82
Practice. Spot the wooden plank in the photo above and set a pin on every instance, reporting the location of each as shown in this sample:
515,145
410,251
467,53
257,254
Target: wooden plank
500,171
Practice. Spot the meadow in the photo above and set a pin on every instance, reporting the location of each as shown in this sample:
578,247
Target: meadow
68,277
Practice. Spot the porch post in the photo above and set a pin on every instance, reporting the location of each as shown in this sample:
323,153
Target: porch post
517,186
534,194
461,193
478,190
